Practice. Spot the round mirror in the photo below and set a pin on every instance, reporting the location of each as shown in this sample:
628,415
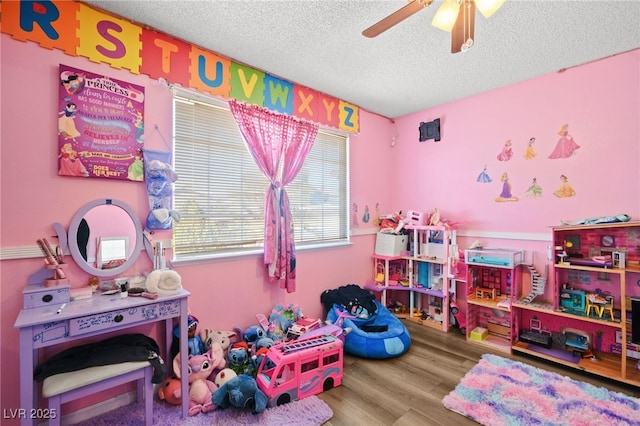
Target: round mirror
105,238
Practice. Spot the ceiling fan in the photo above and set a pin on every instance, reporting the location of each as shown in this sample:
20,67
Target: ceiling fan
455,16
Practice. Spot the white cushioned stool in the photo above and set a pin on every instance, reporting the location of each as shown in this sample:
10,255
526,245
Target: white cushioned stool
65,387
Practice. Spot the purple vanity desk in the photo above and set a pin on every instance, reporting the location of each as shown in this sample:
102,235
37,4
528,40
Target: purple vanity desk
44,326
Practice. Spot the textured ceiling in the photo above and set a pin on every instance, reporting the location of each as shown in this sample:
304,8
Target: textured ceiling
318,44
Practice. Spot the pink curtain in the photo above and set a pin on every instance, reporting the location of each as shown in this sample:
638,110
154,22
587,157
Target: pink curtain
279,144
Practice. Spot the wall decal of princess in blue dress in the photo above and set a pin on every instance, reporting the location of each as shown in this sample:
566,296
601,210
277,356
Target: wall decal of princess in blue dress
506,194
483,177
566,146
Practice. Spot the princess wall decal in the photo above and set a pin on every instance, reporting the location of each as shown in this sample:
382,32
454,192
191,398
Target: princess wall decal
566,146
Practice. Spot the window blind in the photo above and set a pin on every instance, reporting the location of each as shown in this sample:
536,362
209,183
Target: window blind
220,191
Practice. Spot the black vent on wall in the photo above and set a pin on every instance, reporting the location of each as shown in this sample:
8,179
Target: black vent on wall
430,130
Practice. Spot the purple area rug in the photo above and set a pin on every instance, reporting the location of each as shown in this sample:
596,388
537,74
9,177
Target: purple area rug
310,411
499,391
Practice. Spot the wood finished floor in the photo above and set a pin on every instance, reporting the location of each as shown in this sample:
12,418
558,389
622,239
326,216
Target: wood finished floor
408,390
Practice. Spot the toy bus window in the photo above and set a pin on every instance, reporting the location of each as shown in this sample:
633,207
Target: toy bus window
307,366
330,359
285,374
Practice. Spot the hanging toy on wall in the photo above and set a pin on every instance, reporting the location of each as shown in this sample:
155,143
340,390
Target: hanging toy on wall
159,176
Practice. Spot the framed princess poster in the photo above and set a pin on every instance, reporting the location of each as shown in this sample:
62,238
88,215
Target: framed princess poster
100,126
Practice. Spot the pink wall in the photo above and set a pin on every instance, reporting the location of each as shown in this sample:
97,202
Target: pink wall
599,101
33,197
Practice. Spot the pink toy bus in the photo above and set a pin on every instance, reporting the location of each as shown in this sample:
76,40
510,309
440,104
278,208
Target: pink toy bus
300,368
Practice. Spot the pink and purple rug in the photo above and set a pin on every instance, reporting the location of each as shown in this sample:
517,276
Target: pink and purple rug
499,391
311,411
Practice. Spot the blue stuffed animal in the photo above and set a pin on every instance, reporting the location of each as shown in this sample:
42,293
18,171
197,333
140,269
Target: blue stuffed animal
252,334
238,357
240,392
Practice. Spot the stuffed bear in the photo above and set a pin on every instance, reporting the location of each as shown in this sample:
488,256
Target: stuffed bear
241,392
200,387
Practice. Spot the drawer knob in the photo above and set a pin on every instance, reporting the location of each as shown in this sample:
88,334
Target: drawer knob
118,318
47,298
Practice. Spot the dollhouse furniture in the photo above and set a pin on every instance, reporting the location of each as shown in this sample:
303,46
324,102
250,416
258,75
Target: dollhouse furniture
48,326
424,274
493,284
574,315
429,266
607,307
490,293
65,387
577,341
593,302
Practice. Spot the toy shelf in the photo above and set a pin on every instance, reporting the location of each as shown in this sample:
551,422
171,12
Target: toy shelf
430,283
423,274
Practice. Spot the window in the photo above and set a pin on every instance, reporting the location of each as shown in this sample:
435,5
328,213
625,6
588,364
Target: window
220,191
330,359
309,365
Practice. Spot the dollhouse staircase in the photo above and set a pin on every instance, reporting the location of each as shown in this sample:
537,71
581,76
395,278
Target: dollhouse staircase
538,283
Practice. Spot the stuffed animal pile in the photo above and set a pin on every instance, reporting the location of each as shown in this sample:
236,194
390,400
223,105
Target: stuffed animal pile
223,364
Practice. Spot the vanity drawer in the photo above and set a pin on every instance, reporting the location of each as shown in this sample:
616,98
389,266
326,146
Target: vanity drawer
122,317
37,295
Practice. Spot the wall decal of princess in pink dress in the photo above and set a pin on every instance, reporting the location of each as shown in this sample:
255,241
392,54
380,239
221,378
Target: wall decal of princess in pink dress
506,194
507,152
566,146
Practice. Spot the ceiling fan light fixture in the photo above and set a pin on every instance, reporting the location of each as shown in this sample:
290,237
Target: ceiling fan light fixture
466,45
488,7
445,17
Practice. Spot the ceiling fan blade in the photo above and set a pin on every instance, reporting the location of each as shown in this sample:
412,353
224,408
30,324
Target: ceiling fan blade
464,26
398,16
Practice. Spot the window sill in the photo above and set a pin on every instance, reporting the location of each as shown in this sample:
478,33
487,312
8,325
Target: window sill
225,257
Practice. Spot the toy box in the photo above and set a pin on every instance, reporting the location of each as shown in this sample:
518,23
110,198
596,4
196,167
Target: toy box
479,333
390,244
499,258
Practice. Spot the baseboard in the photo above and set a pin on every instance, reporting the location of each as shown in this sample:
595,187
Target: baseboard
102,407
